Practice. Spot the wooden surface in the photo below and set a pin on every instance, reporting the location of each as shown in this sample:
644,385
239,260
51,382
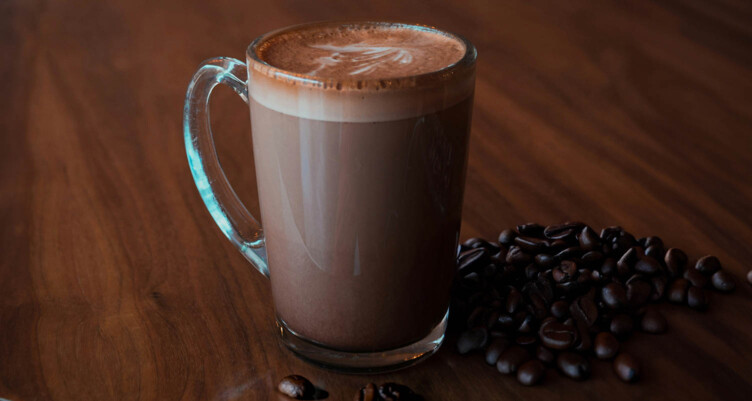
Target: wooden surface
116,285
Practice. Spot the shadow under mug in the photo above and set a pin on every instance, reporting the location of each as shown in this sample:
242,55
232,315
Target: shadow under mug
360,185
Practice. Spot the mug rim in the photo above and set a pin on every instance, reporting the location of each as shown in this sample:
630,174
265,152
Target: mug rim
464,64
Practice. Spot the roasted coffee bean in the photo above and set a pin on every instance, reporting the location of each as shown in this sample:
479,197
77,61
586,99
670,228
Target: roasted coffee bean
397,392
367,393
525,341
584,340
516,256
472,260
511,359
495,349
560,309
638,293
592,259
471,340
622,243
589,240
568,253
491,247
653,322
654,251
531,372
514,301
647,265
564,231
627,367
557,335
695,277
606,345
697,298
608,267
545,355
492,316
653,241
531,229
505,322
543,260
583,308
708,265
472,241
609,233
527,325
723,281
622,325
530,244
614,295
506,237
574,366
531,271
627,261
676,261
659,287
297,387
677,293
749,277
565,271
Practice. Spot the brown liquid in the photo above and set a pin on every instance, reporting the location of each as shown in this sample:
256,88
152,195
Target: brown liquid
361,222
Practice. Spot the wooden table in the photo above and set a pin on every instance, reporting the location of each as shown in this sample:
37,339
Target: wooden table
116,285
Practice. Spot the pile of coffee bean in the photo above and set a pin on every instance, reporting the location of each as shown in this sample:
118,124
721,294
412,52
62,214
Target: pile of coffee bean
299,388
559,295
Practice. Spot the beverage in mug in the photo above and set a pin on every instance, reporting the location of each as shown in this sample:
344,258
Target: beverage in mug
360,137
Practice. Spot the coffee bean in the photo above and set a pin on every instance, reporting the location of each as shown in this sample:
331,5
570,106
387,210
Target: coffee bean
505,322
653,241
297,387
675,260
472,260
605,345
627,367
677,293
525,341
531,372
511,359
495,349
654,251
557,335
627,262
697,298
659,287
621,326
695,277
367,393
516,256
614,295
653,322
562,231
723,281
589,240
749,277
592,259
584,308
609,233
527,325
544,260
647,265
506,237
565,271
638,293
574,366
530,244
397,392
708,265
608,268
471,340
568,253
545,355
531,229
584,340
514,301
560,309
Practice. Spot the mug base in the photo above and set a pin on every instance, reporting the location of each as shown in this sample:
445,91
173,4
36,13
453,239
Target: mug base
364,362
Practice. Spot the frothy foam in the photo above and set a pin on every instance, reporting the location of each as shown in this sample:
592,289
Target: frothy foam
373,52
364,72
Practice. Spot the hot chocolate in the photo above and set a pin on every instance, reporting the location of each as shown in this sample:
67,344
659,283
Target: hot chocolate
360,174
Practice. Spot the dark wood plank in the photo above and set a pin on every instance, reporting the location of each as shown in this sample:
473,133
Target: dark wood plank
116,285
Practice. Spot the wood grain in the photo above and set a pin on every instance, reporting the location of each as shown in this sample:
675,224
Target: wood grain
116,285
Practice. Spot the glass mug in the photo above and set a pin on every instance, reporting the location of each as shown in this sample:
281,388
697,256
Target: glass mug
360,185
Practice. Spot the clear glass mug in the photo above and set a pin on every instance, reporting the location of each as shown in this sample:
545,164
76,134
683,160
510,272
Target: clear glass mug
360,184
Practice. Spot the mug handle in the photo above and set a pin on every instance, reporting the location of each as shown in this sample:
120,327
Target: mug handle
229,213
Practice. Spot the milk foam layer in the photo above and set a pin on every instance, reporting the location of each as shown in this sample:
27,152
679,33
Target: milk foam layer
360,72
362,52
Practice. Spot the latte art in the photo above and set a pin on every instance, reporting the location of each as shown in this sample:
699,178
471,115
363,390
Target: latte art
360,58
372,52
